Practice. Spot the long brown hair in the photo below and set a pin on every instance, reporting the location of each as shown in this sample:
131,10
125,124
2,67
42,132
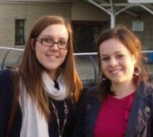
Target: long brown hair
133,44
30,69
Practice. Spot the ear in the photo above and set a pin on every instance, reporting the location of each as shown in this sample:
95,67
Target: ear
32,43
134,59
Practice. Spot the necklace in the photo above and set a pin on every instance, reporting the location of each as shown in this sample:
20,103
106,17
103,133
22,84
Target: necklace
60,128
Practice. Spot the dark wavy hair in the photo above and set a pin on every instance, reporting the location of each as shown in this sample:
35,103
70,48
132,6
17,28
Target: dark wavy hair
133,44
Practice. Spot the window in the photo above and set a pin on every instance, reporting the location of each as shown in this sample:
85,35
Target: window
19,32
86,34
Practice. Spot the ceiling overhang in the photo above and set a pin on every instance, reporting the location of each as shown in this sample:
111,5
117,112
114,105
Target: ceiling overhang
129,6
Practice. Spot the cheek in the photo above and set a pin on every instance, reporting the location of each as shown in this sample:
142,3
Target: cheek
64,54
102,66
39,51
38,48
39,57
130,62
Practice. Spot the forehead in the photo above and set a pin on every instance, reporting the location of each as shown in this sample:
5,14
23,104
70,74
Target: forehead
111,46
55,30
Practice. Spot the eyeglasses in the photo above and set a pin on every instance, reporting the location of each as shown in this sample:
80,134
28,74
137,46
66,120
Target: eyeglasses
50,42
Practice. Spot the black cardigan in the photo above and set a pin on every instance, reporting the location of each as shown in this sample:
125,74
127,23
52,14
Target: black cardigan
6,98
140,122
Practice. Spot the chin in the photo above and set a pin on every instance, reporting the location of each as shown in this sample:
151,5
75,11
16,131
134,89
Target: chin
117,81
51,68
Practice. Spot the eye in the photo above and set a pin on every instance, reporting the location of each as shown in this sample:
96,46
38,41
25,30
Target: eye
105,58
47,40
120,56
62,43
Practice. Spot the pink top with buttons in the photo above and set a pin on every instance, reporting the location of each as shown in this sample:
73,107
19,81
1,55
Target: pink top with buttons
113,117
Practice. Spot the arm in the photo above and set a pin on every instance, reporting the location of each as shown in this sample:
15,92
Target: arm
6,97
80,116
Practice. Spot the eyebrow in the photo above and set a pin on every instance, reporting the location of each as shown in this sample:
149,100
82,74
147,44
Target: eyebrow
46,35
49,36
113,53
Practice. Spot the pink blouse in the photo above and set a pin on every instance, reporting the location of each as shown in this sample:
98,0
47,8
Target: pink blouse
113,117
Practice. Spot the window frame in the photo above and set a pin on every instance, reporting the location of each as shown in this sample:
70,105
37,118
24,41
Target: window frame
19,32
86,34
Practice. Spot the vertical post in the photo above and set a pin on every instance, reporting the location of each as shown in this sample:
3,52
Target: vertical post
112,15
113,20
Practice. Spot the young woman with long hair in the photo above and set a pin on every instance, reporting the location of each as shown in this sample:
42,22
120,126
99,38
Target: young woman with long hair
37,98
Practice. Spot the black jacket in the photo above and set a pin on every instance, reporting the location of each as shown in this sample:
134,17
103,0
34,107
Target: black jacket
6,98
140,123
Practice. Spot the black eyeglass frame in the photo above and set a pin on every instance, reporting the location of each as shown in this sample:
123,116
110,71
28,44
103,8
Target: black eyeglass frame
41,41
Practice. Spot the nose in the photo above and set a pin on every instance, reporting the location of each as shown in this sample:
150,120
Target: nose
55,46
113,62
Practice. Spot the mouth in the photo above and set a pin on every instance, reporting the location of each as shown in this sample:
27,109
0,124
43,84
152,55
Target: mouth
116,71
52,56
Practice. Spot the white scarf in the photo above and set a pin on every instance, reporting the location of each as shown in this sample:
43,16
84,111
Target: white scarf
33,123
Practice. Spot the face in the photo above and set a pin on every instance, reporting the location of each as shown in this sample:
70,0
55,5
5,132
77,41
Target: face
117,63
52,57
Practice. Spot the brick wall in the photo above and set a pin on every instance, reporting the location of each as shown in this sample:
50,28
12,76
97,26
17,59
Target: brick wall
146,36
28,11
32,11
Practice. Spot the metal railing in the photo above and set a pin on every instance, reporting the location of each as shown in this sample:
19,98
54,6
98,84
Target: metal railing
8,50
82,59
86,62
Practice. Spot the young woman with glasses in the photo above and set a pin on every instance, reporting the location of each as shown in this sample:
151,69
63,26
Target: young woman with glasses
37,98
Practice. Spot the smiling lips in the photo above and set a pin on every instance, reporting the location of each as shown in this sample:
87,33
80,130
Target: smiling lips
115,71
52,56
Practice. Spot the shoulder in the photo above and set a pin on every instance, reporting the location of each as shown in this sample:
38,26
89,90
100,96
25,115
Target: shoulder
6,89
89,95
145,88
92,89
6,81
5,74
145,92
91,92
6,98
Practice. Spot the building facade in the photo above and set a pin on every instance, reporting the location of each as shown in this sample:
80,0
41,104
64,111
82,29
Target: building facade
17,18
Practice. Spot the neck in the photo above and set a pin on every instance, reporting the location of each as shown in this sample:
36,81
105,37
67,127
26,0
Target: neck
123,89
52,75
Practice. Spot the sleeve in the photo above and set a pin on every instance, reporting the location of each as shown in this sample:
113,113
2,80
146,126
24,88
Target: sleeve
80,116
6,98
